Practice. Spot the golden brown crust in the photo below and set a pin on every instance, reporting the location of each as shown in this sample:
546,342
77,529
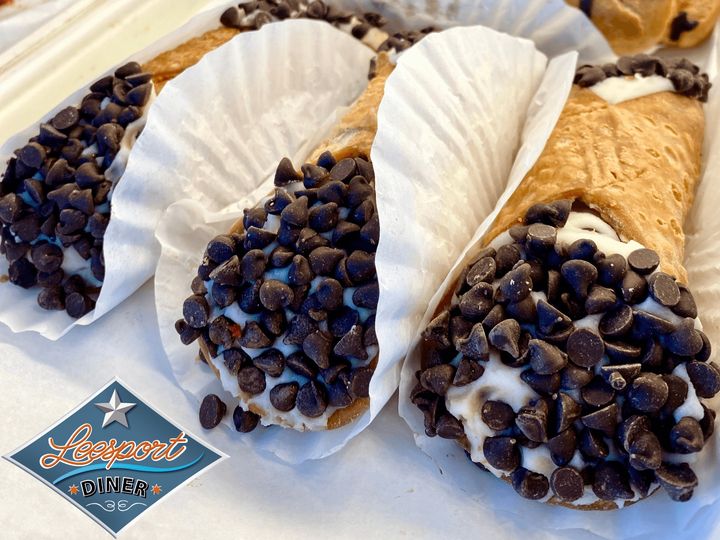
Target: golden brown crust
704,12
631,26
636,163
169,64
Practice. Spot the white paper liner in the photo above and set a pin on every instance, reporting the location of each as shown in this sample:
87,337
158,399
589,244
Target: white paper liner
485,492
23,17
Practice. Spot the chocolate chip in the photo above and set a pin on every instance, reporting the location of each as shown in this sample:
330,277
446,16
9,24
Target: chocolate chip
585,348
567,410
567,484
591,445
332,192
108,138
540,238
32,154
46,257
234,359
275,295
589,76
361,266
647,325
648,392
228,272
449,427
677,392
281,257
516,285
502,453
611,482
597,392
582,249
493,318
351,344
358,191
505,336
212,410
663,289
341,321
545,359
257,238
705,377
482,270
506,258
367,296
529,484
278,202
685,340
271,362
686,437
704,354
251,380
562,447
643,261
498,415
555,213
343,170
617,322
245,421
532,421
475,346
323,260
542,384
677,479
633,288
477,302
618,376
52,298
550,319
326,159
599,300
604,419
686,306
254,337
78,305
196,311
286,173
311,399
317,347
579,275
139,95
438,378
360,382
283,396
221,248
223,331
10,207
467,371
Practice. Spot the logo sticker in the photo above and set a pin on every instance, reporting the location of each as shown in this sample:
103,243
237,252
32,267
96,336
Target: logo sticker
114,456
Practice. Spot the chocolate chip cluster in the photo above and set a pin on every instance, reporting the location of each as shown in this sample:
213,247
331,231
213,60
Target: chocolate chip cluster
307,282
55,196
610,394
684,75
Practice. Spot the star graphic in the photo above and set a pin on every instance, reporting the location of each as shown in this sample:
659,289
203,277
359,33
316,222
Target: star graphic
115,410
156,489
73,490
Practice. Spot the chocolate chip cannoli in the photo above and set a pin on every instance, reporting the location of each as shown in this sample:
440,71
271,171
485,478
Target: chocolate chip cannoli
638,26
56,191
568,358
283,306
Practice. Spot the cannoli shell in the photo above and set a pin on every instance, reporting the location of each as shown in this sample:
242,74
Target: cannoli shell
352,136
636,163
704,13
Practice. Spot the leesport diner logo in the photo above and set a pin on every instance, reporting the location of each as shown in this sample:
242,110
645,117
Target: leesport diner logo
114,456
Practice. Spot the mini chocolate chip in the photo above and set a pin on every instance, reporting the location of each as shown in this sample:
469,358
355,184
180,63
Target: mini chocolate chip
83,201
617,322
311,399
641,481
677,479
505,336
70,222
567,484
271,362
685,340
591,445
10,207
482,270
343,170
222,331
475,346
647,325
341,321
332,192
686,437
604,419
567,410
326,159
704,354
221,248
589,76
187,333
360,382
295,214
234,359
275,295
648,392
677,392
212,410
283,396
498,415
551,319
35,190
323,260
506,258
643,261
323,217
257,238
516,285
329,293
108,138
449,427
686,306
251,380
467,371
361,266
494,317
618,376
32,154
253,217
542,384
611,481
281,257
502,453
253,337
529,484
88,175
78,305
599,300
245,421
532,420
545,359
562,447
278,202
633,288
50,136
582,249
555,213
579,275
597,392
438,378
196,311
358,191
317,347
286,173
351,344
139,95
222,295
300,272
367,296
52,298
46,257
228,273
518,233
540,238
301,326
102,191
663,289
705,378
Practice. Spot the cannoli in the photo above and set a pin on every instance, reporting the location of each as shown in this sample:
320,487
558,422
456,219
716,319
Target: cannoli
638,25
568,358
283,305
56,191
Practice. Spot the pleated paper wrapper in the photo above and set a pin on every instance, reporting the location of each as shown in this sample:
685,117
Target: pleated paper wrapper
422,165
512,70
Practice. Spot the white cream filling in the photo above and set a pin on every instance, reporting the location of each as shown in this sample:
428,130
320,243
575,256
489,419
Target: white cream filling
502,383
615,90
293,419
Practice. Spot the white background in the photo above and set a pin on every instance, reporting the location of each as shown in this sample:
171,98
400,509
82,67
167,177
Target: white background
379,486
